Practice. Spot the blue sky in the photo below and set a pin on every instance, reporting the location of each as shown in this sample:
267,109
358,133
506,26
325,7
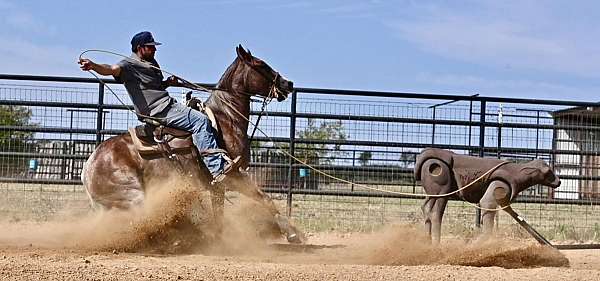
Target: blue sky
527,49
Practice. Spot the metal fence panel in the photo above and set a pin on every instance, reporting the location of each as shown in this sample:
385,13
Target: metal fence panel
363,143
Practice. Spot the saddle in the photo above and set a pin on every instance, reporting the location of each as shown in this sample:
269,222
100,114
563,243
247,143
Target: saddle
154,140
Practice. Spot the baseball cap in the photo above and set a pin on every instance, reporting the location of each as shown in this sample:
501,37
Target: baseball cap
143,38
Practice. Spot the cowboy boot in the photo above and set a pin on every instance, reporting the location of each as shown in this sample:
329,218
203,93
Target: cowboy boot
230,168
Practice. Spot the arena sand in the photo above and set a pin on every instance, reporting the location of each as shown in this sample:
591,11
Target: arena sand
178,219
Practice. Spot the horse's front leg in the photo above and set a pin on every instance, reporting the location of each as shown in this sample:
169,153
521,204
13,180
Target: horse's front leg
217,199
246,187
488,202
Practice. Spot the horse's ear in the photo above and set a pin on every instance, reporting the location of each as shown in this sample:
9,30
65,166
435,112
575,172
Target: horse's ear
242,53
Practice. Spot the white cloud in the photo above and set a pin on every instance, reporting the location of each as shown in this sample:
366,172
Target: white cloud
20,52
521,36
24,57
23,22
508,87
349,9
26,22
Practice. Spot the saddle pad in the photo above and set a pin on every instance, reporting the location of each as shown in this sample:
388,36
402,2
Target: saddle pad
211,117
139,146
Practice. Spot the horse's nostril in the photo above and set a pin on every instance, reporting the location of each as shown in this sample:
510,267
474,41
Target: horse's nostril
290,84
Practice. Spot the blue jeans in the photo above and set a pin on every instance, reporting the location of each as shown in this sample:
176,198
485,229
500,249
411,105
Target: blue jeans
182,117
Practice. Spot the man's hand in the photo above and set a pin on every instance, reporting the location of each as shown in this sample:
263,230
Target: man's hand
86,64
172,81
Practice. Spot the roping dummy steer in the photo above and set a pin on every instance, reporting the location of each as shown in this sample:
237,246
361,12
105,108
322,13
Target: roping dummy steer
489,182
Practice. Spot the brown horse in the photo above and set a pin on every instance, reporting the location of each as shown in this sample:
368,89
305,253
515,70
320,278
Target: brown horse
116,175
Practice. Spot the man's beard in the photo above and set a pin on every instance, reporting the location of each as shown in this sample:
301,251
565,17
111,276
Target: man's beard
148,57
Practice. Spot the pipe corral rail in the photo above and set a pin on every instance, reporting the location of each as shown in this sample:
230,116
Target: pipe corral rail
392,126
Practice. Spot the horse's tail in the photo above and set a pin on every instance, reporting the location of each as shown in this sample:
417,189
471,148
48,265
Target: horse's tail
429,153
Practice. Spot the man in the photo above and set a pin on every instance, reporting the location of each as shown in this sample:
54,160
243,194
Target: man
147,91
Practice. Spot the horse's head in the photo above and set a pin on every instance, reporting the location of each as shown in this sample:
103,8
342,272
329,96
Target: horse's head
251,75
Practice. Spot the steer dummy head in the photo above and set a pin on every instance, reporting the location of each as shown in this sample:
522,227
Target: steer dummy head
538,172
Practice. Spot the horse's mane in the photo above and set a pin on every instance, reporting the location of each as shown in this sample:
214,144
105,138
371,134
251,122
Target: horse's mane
226,79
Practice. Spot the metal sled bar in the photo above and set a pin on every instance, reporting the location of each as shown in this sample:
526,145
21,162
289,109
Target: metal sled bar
528,227
578,247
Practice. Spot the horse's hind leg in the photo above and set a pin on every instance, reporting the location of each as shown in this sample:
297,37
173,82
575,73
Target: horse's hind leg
436,179
109,185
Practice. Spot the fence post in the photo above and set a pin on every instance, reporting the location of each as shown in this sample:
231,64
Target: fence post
482,112
537,133
433,126
499,132
353,169
553,154
100,117
292,152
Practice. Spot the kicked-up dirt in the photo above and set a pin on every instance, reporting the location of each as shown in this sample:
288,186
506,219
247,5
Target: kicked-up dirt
32,263
173,238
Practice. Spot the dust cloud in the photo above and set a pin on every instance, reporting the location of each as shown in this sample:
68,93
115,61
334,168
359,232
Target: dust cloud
177,218
405,245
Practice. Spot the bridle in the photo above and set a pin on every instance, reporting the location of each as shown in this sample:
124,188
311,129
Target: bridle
274,92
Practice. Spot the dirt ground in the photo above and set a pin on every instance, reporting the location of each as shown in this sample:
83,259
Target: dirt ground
34,263
159,242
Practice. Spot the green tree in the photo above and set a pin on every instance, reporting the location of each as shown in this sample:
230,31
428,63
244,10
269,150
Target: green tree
14,140
406,159
365,157
266,152
317,153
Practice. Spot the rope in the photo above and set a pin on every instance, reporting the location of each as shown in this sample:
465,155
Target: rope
198,87
262,111
282,150
121,101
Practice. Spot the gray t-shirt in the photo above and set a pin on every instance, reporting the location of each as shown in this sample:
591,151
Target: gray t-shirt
144,85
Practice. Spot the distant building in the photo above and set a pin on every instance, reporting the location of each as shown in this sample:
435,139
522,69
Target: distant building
583,139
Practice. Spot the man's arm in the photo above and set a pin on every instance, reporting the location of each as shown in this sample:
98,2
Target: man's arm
103,69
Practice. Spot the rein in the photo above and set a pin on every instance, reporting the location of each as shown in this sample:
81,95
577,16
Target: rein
266,101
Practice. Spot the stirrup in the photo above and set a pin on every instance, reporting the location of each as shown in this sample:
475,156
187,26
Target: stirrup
232,166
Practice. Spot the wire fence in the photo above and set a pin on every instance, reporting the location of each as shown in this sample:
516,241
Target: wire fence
50,125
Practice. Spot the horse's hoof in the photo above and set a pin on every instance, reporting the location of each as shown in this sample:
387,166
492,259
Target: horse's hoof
294,238
291,233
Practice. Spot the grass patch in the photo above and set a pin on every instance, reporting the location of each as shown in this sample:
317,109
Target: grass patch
319,213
